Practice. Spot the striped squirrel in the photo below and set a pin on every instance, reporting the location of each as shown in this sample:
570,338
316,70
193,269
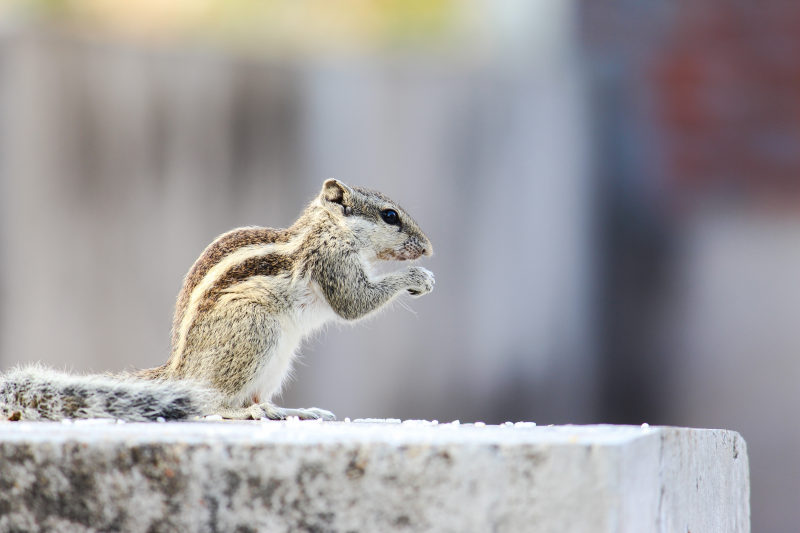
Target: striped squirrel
245,306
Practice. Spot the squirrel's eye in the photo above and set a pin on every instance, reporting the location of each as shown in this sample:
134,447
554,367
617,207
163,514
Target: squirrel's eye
390,216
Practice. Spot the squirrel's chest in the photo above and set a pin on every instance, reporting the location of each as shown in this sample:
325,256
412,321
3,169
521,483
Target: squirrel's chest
302,311
311,309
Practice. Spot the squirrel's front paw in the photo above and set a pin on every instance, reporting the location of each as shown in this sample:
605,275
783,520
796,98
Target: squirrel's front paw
421,281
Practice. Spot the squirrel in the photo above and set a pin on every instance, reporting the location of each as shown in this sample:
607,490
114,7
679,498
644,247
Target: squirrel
245,306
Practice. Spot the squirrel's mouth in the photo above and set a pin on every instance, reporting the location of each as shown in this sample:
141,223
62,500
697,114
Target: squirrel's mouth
405,253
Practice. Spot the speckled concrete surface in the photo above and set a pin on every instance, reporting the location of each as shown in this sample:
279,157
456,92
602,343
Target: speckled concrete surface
369,476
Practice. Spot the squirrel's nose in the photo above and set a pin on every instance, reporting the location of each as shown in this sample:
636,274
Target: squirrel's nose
419,245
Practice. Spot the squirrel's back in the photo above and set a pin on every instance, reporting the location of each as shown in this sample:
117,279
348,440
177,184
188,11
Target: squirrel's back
39,393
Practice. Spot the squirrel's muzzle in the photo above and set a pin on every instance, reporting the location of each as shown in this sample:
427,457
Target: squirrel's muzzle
414,249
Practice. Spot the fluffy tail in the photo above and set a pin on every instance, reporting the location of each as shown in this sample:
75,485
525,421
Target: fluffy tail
39,393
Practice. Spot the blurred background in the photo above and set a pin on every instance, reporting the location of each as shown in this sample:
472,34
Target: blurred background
612,190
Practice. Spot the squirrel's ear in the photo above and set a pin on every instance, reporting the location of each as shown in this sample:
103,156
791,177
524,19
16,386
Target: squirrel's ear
337,192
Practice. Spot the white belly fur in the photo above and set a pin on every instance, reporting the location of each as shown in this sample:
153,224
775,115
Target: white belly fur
312,312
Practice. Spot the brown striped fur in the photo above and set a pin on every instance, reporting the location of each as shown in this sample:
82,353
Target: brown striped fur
214,252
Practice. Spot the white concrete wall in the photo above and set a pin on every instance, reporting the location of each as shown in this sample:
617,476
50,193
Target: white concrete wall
416,476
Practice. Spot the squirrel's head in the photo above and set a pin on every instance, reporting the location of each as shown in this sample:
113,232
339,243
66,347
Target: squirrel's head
376,220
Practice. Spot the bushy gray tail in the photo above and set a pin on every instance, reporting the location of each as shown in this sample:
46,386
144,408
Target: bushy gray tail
39,393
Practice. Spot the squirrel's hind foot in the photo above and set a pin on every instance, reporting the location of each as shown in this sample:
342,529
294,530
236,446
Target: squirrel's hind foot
310,413
257,411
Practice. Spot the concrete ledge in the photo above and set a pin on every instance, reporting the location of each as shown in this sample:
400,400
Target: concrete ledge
311,476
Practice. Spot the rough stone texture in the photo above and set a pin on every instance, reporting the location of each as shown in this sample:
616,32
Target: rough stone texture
312,476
